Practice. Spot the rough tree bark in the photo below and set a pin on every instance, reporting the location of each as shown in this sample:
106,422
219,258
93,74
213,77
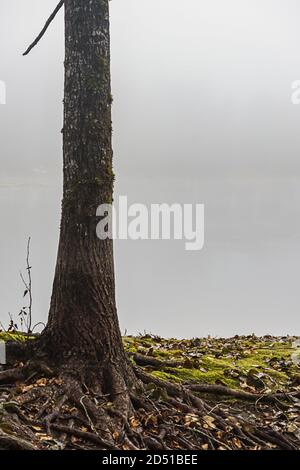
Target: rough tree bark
84,363
83,325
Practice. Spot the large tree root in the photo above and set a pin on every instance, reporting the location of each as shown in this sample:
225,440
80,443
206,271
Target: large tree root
241,394
8,442
50,410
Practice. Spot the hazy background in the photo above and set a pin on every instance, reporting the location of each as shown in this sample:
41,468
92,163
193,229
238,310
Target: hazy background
202,113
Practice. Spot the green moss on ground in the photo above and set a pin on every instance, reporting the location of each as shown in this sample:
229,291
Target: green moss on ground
14,336
243,362
246,362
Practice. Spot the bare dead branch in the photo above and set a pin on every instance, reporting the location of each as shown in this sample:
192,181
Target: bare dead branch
47,24
28,287
85,435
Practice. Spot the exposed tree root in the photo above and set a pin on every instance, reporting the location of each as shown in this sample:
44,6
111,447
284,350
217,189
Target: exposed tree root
14,443
11,376
143,360
239,394
87,436
49,411
30,369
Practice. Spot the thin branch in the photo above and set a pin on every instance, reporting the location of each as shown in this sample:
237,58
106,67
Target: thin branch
48,22
38,324
23,280
29,285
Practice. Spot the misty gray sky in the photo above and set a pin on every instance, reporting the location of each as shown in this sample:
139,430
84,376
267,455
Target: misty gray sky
202,113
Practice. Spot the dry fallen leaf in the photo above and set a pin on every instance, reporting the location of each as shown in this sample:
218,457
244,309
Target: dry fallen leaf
134,423
151,418
190,418
57,381
209,422
37,428
26,388
237,443
43,437
41,382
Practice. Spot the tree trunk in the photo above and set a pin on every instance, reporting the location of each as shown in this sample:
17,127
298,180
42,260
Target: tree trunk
83,323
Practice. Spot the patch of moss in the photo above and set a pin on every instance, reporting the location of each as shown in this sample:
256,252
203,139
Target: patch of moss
166,376
211,376
260,359
15,336
278,375
168,353
216,364
227,361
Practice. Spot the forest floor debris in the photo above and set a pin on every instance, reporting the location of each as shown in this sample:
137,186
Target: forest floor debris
203,393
